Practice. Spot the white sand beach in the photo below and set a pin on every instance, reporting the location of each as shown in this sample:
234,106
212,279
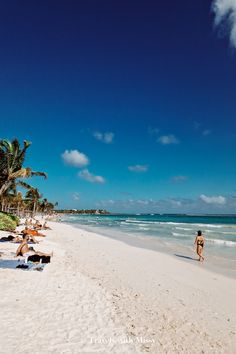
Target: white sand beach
103,295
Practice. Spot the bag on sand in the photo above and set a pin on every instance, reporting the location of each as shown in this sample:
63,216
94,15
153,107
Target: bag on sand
35,258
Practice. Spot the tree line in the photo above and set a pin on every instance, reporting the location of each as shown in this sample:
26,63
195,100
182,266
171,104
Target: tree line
12,177
84,211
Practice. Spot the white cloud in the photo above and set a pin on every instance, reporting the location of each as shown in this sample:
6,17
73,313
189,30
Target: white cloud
142,201
106,138
145,205
179,178
110,201
138,168
168,139
176,203
204,204
76,196
206,132
225,15
87,176
75,158
213,200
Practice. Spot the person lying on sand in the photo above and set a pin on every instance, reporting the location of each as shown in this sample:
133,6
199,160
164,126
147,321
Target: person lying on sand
10,238
31,232
18,239
199,242
26,251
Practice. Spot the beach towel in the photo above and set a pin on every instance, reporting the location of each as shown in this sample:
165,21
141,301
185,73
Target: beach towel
16,264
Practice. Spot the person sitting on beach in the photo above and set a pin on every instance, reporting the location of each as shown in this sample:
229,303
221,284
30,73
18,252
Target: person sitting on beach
28,222
46,227
37,225
26,251
199,242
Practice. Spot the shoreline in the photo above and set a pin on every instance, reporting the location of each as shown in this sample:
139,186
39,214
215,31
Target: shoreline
103,288
216,265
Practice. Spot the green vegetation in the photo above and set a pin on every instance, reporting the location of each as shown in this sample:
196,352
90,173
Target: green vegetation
8,222
14,218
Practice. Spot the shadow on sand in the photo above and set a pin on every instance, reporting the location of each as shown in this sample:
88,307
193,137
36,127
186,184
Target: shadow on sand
186,257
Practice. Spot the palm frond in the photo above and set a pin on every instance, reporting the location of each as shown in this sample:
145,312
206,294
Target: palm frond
24,185
11,164
5,145
22,173
21,156
42,174
15,145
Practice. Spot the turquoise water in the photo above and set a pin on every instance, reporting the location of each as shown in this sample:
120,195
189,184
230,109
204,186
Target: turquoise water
173,232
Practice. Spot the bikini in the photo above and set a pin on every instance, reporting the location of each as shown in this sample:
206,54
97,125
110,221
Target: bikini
22,254
200,243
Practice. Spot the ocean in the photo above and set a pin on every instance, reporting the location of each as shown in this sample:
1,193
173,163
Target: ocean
174,234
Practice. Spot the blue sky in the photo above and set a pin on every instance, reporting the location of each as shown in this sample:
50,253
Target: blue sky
130,106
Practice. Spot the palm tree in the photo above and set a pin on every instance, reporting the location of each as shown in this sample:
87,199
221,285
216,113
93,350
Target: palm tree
7,198
18,202
50,207
3,201
33,197
43,205
8,201
12,157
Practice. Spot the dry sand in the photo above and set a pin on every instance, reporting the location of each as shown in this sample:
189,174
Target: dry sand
103,295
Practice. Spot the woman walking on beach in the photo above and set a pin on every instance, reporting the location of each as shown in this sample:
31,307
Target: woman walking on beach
199,242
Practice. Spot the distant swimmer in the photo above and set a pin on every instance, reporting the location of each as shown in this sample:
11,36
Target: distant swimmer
199,242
